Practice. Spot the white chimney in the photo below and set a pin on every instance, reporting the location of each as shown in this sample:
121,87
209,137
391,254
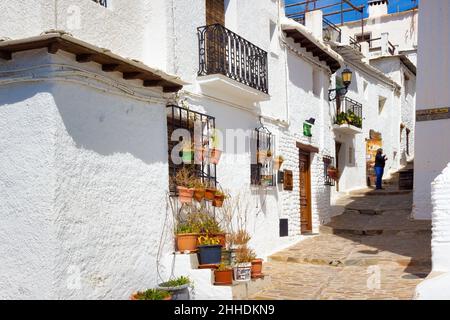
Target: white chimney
378,8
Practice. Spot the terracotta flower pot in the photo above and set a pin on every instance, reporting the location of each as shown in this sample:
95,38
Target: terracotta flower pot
215,155
223,278
185,194
187,242
257,268
218,200
199,194
210,194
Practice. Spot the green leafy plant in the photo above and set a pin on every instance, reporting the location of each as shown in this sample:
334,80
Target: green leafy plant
153,294
349,117
180,281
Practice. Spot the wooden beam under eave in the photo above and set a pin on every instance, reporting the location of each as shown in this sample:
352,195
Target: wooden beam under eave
5,55
153,83
85,57
132,75
171,89
110,67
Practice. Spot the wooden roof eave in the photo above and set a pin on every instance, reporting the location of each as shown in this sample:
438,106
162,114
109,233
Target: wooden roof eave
316,50
85,52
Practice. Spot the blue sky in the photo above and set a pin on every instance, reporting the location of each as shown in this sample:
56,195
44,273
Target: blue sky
394,6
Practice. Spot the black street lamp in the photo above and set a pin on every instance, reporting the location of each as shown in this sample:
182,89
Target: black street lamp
346,76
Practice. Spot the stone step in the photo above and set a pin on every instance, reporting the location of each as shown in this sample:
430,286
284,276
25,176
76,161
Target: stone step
370,232
373,192
243,290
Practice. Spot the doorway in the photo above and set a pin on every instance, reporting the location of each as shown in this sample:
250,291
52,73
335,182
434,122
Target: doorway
305,192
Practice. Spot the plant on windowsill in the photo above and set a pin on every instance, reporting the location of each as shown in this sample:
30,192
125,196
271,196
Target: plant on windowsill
151,294
199,190
219,198
210,191
209,250
179,288
223,275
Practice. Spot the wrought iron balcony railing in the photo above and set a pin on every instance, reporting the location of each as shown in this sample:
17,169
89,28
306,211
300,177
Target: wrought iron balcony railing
349,112
224,52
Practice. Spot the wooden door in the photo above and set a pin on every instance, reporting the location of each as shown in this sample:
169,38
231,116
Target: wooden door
215,12
305,193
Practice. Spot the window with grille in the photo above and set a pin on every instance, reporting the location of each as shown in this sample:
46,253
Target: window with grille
194,130
328,162
263,146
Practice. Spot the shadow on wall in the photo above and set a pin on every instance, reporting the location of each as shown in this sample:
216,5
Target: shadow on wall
110,124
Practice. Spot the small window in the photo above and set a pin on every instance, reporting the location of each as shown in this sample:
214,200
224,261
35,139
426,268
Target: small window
317,88
381,104
351,156
366,37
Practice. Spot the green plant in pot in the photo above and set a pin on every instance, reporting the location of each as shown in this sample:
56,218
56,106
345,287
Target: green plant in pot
187,233
209,250
179,288
152,294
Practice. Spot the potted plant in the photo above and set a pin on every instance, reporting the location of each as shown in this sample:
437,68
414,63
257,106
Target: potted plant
210,227
199,190
223,275
210,191
219,198
179,288
257,268
278,162
185,181
209,250
332,172
242,269
214,152
187,235
151,294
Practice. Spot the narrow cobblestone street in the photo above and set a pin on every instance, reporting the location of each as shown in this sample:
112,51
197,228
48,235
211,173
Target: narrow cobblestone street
373,251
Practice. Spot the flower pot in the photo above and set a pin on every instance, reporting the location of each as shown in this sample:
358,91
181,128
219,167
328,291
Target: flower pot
210,194
187,156
242,272
218,201
215,155
210,254
222,237
199,194
185,194
178,293
257,268
187,242
223,278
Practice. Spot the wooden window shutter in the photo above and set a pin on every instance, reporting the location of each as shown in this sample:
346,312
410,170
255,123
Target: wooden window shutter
215,12
288,180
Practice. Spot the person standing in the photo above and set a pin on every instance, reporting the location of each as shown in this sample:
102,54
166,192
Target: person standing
380,163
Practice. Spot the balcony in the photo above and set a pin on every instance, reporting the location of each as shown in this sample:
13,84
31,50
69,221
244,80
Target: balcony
349,117
230,65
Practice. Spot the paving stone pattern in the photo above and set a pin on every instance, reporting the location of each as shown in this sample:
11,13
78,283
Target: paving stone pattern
372,251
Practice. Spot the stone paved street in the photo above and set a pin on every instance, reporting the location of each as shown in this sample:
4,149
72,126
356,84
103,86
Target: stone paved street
373,251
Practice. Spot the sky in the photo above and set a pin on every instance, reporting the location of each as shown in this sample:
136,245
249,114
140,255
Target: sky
394,6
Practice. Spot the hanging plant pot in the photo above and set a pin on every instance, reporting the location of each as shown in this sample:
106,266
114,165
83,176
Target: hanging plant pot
223,277
210,254
186,242
242,272
210,194
185,195
187,156
332,173
199,194
257,268
215,155
218,200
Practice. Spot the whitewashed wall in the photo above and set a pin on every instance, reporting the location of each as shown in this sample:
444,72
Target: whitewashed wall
432,149
83,201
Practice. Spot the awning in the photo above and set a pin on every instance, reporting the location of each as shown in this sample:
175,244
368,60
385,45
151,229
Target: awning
85,52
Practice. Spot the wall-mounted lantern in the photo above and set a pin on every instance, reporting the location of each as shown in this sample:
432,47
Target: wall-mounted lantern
346,76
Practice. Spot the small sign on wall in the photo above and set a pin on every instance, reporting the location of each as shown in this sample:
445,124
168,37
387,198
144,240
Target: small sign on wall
288,184
433,114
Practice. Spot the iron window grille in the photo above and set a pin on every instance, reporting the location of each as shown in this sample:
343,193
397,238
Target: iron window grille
200,128
262,171
222,51
103,3
328,162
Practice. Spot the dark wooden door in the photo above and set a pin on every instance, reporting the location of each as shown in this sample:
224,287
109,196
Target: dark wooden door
305,193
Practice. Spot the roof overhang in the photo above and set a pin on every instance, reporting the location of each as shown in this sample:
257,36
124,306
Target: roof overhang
84,52
307,40
403,58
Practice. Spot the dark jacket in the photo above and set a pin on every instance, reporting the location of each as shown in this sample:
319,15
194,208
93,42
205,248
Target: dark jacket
380,161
